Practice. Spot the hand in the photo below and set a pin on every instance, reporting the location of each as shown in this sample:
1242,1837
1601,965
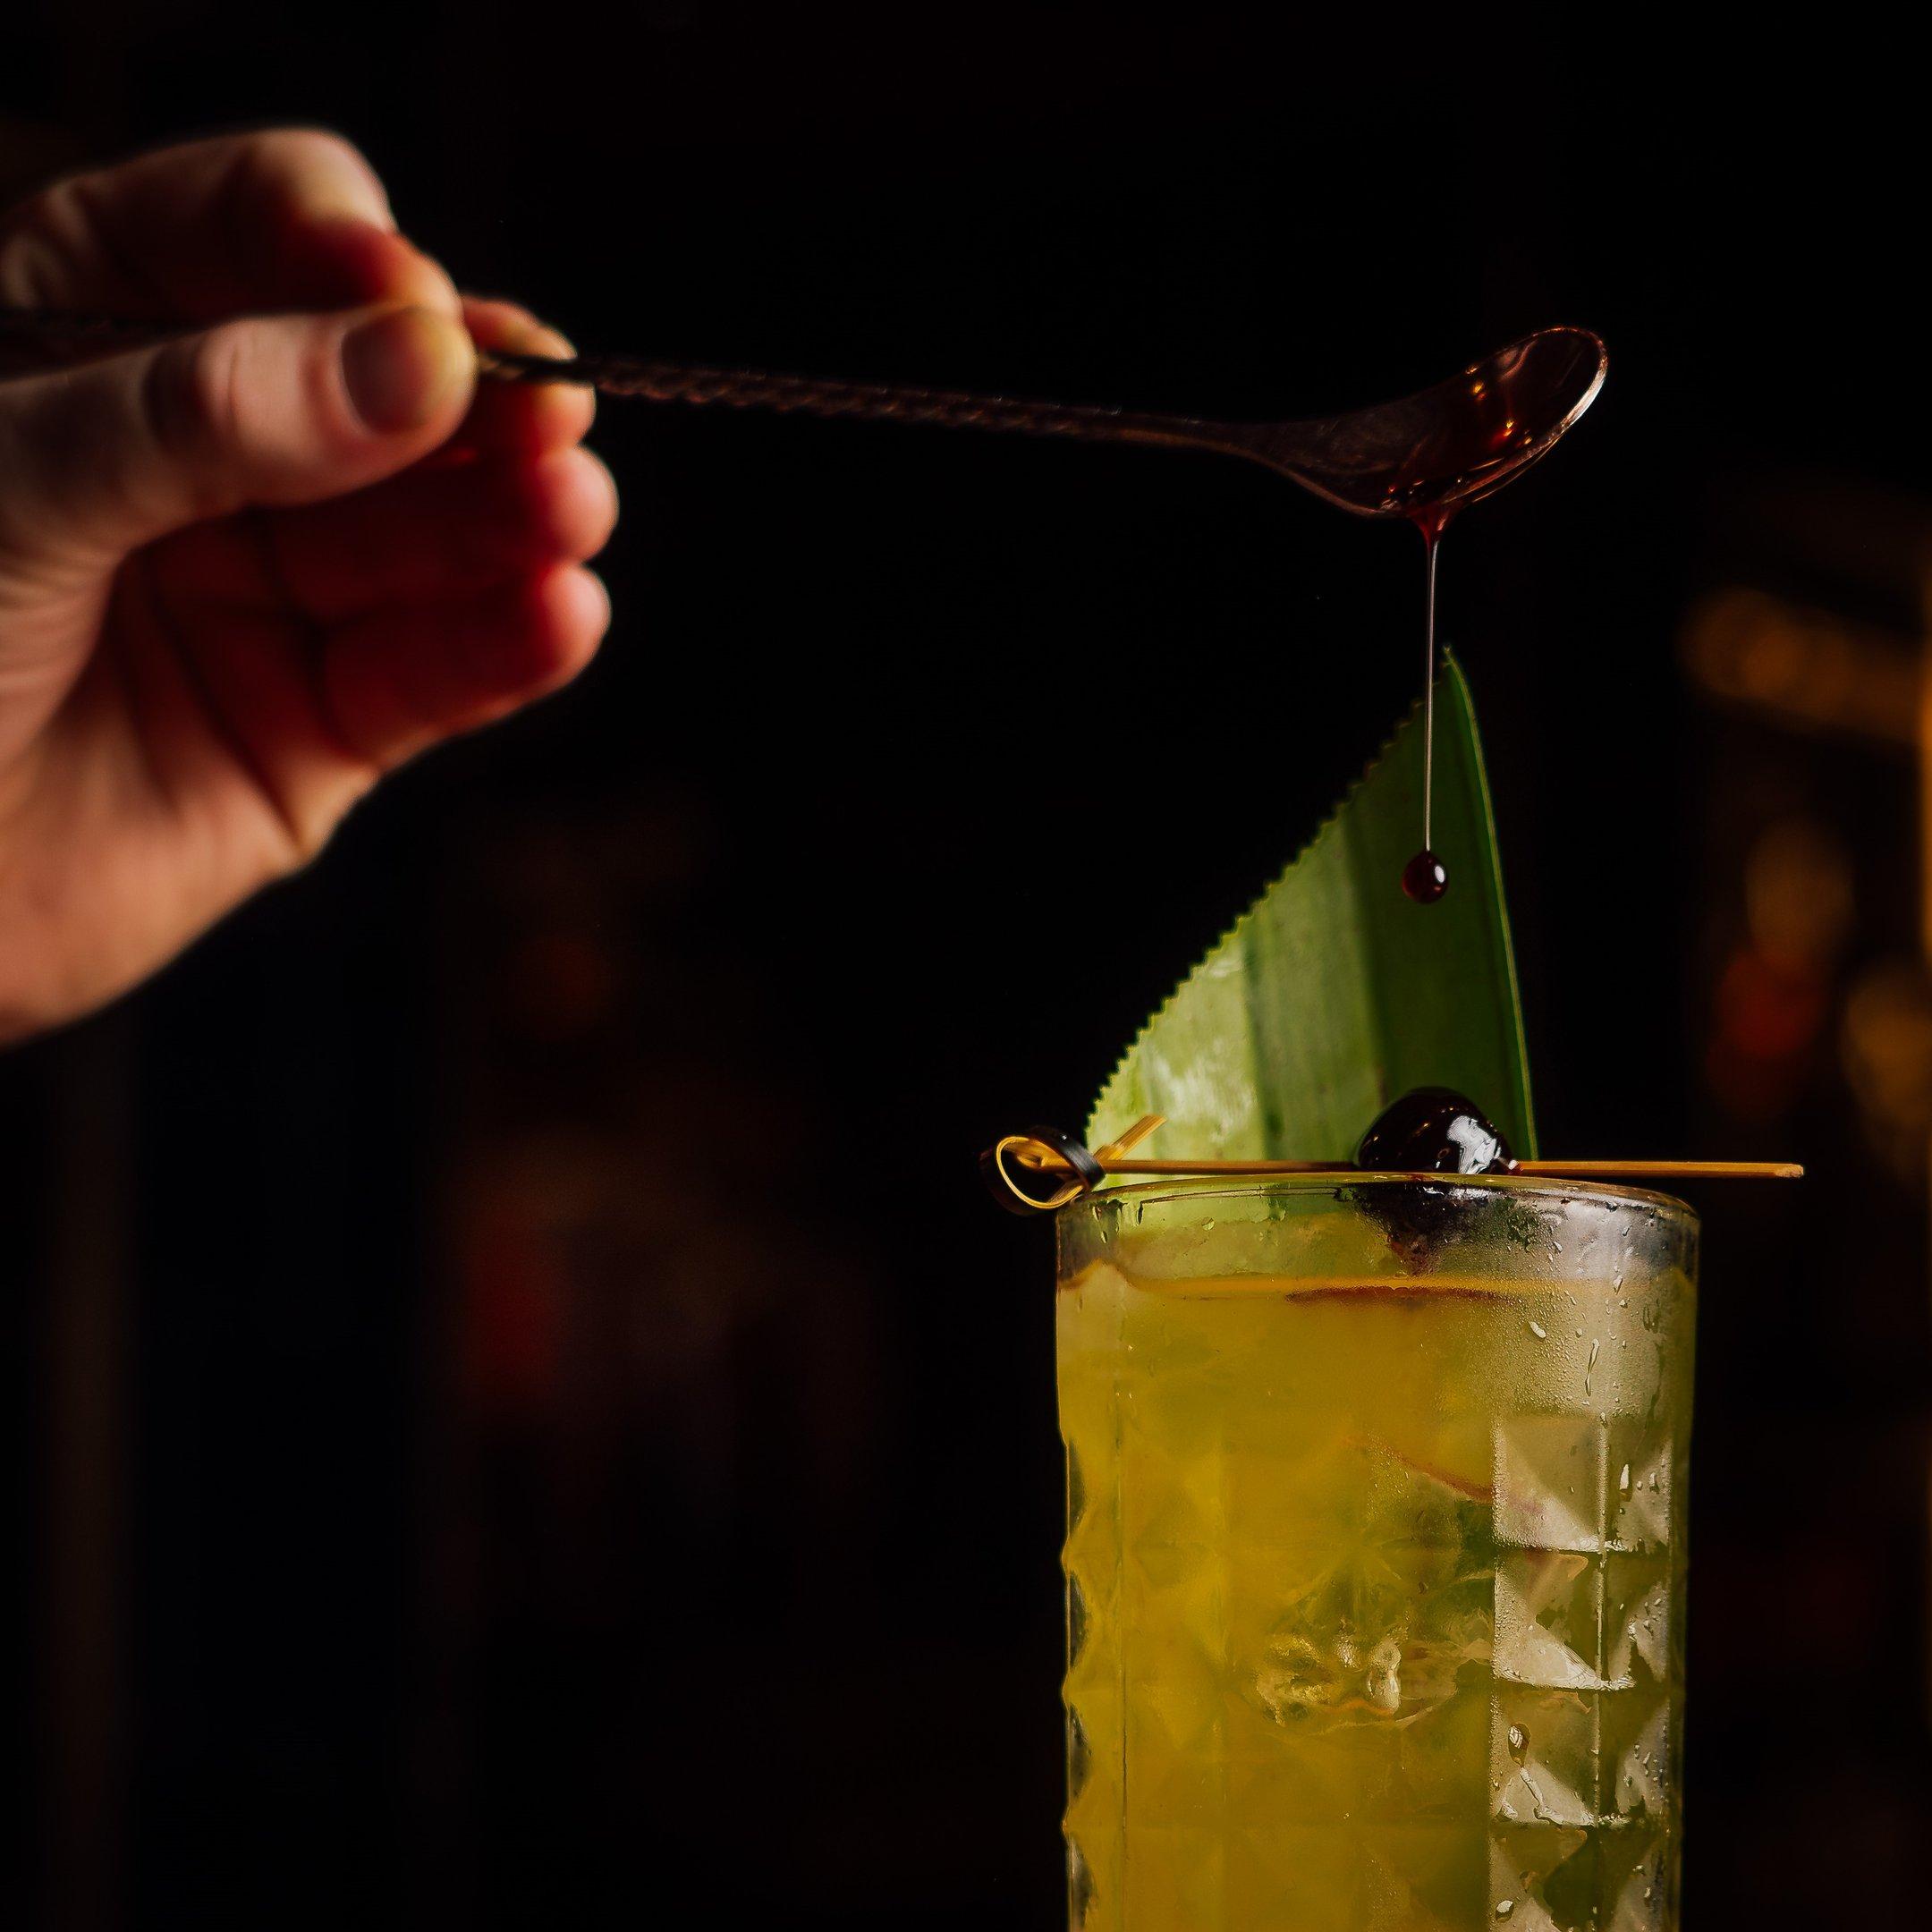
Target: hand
246,572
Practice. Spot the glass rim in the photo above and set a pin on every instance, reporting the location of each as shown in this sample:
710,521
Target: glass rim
1533,1187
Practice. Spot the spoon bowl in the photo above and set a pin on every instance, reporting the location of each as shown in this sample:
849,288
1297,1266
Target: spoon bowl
1425,456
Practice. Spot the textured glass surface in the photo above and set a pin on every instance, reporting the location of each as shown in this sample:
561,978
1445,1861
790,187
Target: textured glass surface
1375,1558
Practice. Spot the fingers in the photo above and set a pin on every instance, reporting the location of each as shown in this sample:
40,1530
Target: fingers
527,417
294,219
100,460
254,679
400,680
437,534
432,534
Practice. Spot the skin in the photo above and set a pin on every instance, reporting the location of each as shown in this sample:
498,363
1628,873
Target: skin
246,573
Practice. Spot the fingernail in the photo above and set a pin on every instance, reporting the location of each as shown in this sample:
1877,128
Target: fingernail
322,206
399,368
539,338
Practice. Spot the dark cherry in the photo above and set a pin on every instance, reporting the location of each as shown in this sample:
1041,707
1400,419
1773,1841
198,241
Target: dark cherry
1433,1130
1425,878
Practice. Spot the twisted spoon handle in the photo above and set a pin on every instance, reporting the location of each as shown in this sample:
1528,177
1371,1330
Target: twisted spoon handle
948,408
57,334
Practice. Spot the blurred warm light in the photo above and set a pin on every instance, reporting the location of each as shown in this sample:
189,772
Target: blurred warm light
563,985
1768,1015
1798,894
1773,994
1885,1049
1813,669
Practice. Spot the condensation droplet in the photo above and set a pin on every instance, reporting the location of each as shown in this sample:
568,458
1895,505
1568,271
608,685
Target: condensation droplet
1504,1907
1519,1743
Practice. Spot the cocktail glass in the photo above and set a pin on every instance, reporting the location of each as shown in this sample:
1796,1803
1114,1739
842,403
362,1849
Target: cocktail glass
1375,1554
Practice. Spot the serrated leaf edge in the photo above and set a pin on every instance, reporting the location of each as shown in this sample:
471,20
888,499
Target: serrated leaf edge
1450,667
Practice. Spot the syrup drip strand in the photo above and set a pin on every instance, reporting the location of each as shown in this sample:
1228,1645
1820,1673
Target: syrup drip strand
1425,878
1428,706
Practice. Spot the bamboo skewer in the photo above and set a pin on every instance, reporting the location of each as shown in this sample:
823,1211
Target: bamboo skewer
1081,1171
1559,1170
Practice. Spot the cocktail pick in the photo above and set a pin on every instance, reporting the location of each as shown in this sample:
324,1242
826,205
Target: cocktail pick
1074,1171
1040,1148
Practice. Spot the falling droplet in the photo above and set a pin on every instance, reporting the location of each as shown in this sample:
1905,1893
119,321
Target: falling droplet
1539,1331
1519,1743
1624,1483
1504,1907
1425,878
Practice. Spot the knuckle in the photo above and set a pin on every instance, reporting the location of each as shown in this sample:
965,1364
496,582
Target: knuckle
283,161
300,839
191,398
314,142
38,238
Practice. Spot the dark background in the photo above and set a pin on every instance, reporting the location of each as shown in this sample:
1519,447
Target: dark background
521,1412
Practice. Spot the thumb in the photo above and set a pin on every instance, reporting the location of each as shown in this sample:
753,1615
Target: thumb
97,461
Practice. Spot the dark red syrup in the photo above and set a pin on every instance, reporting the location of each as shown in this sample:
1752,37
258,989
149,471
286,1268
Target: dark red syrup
1425,878
1468,452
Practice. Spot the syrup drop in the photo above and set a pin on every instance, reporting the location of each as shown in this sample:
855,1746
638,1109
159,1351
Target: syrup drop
1425,878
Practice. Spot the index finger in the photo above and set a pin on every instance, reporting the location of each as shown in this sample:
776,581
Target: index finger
523,418
292,218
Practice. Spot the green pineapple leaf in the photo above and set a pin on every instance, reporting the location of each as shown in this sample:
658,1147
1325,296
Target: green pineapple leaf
1334,992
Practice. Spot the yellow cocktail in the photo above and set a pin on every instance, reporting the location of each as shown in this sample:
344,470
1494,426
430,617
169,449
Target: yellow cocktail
1375,1555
